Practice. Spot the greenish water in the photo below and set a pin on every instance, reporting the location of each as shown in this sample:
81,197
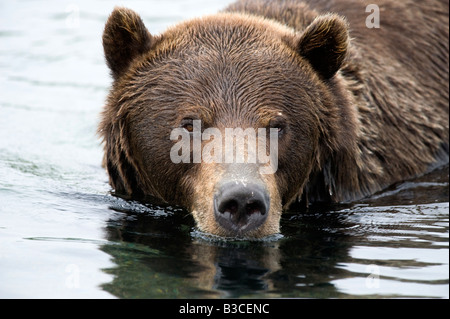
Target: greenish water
62,235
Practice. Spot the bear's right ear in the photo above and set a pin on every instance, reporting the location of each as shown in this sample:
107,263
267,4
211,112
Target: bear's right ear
324,44
125,37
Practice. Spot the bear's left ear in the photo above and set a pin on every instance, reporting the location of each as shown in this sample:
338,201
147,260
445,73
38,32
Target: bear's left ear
125,37
324,44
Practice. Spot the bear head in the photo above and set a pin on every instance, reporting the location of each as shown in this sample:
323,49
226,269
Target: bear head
177,96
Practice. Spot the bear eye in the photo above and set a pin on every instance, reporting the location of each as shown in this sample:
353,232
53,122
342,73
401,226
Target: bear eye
278,123
279,128
188,124
189,127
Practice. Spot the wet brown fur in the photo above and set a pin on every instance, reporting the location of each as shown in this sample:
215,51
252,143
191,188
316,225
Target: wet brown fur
364,108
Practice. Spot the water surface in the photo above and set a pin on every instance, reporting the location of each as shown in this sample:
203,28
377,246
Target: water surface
63,235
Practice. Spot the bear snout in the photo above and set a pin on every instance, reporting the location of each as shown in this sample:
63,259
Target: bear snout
241,207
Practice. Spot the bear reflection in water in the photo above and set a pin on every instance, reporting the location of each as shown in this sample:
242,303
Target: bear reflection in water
156,255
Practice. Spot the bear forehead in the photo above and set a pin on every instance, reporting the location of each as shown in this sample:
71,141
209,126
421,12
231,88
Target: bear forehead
225,45
225,30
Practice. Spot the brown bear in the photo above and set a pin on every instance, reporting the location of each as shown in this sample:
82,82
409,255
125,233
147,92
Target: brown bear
355,108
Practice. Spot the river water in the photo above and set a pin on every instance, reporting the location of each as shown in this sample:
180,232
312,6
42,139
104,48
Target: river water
63,235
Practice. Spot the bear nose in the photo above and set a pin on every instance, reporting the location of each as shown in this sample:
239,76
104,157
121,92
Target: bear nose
240,207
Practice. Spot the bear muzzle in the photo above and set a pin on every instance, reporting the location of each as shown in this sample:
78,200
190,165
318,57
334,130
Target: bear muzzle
241,207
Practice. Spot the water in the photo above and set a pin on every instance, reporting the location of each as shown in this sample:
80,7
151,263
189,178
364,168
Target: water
62,235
